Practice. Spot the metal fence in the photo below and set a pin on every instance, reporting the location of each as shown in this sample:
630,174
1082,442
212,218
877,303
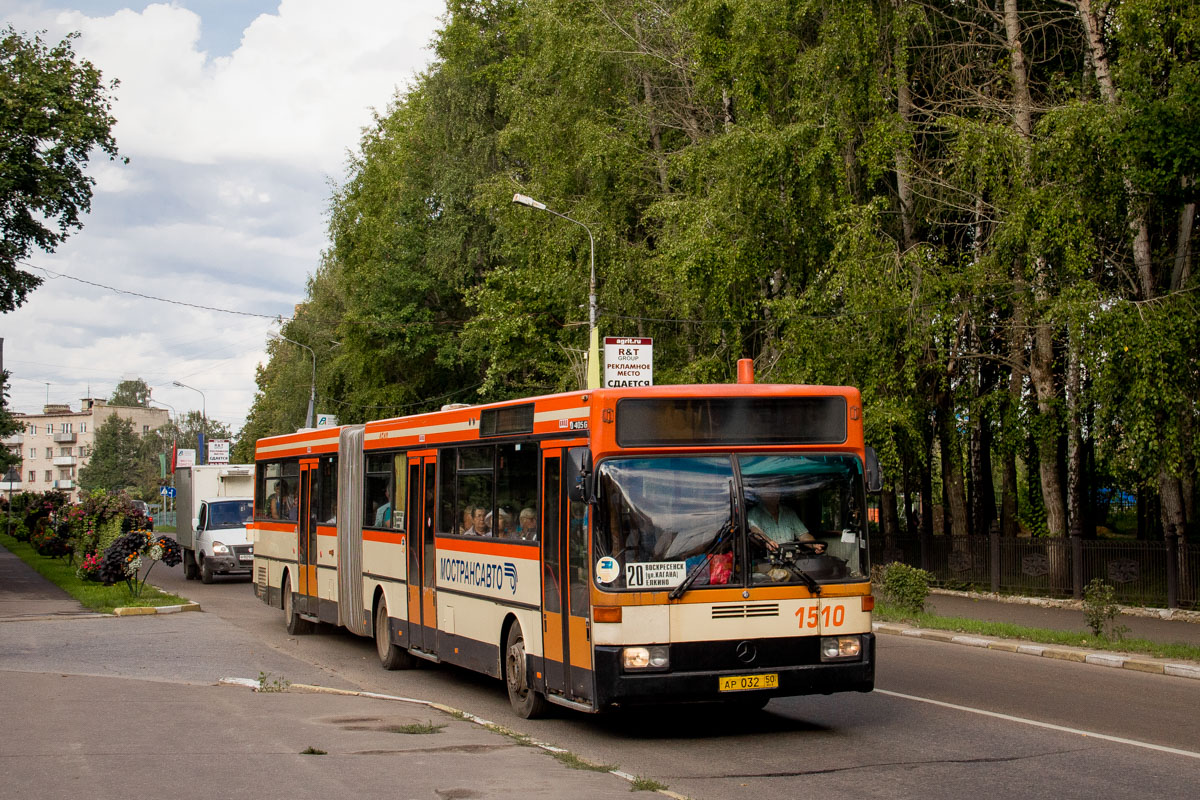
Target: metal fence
1137,571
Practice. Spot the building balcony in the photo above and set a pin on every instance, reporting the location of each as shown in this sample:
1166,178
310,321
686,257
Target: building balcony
64,438
64,461
16,438
64,483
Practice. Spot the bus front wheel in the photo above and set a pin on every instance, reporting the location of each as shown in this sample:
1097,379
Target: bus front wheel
526,701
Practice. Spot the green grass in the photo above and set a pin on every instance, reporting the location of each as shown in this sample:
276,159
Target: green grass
415,728
641,784
575,762
95,596
1004,630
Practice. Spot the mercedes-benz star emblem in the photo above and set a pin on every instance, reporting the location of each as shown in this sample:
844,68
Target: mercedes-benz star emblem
746,652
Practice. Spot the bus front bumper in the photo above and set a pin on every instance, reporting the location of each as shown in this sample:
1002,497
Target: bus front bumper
616,686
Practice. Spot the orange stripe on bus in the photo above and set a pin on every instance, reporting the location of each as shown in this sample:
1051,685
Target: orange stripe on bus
487,546
395,537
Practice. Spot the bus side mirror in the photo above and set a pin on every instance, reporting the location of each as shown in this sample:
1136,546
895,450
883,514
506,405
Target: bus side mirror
579,475
874,475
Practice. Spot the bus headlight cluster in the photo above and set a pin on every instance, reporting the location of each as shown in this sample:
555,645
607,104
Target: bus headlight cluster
655,657
836,648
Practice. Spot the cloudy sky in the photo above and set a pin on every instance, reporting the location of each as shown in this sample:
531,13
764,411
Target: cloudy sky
237,117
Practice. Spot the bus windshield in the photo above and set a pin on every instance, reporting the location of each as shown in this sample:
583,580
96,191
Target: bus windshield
730,521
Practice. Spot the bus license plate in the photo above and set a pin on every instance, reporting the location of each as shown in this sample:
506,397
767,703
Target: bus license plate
743,683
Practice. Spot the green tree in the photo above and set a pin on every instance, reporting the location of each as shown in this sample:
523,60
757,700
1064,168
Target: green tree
55,112
134,392
116,462
8,426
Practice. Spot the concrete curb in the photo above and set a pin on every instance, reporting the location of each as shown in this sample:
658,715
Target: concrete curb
1174,614
139,611
1077,654
252,684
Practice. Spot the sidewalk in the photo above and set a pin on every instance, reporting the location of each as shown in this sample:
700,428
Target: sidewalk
67,735
24,594
1051,614
1059,616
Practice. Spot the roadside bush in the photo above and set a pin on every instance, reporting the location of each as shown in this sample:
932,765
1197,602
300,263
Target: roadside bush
1101,610
902,586
53,541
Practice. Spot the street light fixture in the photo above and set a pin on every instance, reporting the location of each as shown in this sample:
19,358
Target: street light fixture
312,389
593,370
203,418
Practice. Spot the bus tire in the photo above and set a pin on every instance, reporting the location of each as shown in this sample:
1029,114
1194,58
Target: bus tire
526,701
296,626
391,655
206,573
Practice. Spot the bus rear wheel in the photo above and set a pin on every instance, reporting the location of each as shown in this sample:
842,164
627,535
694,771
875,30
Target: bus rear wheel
526,701
296,625
391,655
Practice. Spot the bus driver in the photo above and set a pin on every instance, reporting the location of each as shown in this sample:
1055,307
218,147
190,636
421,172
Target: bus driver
772,524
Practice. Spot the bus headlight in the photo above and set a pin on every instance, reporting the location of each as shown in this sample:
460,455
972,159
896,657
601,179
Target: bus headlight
837,648
646,658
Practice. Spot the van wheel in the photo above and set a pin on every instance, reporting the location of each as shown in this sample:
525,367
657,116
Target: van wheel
391,655
296,626
206,573
190,573
526,701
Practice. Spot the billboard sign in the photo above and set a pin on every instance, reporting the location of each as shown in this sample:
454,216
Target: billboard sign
628,361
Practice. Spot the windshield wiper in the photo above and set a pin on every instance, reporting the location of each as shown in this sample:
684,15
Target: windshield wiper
703,565
788,561
694,573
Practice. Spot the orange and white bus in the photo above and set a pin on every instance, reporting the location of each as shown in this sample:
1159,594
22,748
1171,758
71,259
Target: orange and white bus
592,549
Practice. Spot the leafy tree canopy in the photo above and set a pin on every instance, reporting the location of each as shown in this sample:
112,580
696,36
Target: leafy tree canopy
134,392
56,110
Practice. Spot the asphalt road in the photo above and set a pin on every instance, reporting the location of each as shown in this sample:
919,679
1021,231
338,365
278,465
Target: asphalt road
946,720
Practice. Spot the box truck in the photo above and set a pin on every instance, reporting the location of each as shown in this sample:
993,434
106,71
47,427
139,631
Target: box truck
213,505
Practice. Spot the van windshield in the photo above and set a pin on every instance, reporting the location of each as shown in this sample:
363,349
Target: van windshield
230,514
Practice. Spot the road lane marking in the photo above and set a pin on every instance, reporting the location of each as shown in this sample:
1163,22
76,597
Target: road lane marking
1048,725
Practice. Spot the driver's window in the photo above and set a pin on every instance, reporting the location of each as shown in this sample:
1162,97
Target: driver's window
203,518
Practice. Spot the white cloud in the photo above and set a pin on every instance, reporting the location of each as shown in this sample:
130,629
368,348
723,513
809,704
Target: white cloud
223,201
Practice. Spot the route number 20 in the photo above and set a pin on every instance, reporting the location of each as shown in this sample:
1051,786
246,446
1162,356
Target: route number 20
829,616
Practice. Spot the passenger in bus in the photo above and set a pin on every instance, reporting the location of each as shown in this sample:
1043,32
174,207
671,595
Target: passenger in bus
502,526
383,514
772,524
479,523
468,520
291,508
527,525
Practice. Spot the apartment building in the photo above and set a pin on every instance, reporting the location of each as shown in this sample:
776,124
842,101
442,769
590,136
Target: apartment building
57,443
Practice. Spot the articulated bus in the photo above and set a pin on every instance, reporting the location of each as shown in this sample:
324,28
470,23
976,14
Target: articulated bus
593,549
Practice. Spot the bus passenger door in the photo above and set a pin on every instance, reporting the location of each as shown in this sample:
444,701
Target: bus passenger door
566,604
306,541
422,553
554,629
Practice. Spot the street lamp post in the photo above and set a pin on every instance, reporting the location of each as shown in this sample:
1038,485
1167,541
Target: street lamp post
593,370
312,389
203,418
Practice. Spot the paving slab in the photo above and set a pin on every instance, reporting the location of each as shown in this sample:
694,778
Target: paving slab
24,593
